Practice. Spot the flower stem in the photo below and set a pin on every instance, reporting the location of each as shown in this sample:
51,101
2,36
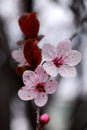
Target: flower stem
37,119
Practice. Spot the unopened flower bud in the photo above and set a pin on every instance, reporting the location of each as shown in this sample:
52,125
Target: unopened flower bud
44,119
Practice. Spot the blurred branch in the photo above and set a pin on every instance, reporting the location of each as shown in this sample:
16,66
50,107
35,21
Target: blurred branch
84,127
28,5
78,8
3,38
79,30
5,80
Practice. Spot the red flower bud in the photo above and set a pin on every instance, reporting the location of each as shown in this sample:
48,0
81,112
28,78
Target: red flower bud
44,119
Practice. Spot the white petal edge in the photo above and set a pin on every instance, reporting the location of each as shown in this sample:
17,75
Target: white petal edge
73,57
48,52
50,68
51,86
41,99
15,55
67,71
19,56
26,94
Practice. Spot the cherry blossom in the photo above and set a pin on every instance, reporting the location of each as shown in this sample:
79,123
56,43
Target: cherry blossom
18,55
37,86
61,59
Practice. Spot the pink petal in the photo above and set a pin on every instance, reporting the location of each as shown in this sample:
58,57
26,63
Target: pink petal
26,94
29,78
51,86
50,68
73,57
41,99
63,47
48,52
19,56
41,74
67,71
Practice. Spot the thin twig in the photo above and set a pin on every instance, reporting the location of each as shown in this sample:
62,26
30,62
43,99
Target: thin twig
76,33
79,29
37,119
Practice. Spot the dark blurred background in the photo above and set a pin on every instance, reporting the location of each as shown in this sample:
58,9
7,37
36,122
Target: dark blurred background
59,20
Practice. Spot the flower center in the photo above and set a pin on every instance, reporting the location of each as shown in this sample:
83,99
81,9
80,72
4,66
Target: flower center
40,87
58,61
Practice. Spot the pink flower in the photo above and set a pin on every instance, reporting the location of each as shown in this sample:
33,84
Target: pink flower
61,59
18,55
37,86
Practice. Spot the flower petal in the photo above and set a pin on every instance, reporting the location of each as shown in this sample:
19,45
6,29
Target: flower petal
50,68
67,71
41,74
48,51
28,78
19,56
63,47
41,99
26,94
51,86
73,57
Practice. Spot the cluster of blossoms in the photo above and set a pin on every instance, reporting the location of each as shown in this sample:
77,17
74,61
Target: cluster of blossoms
38,74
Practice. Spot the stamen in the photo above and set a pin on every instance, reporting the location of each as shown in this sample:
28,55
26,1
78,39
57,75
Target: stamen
40,87
58,61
